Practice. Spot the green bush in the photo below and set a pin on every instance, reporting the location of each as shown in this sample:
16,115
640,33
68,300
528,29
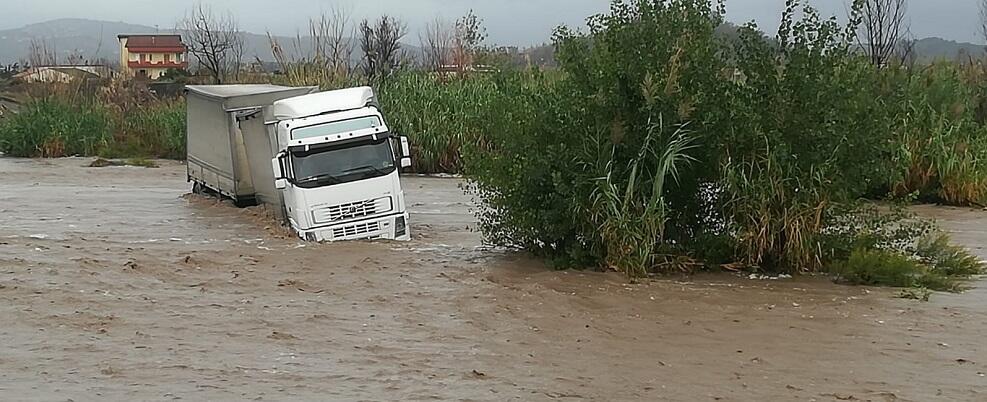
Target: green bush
950,260
597,165
806,139
782,139
525,173
879,267
885,253
769,150
943,154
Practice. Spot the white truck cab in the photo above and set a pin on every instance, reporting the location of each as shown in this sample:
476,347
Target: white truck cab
338,167
325,161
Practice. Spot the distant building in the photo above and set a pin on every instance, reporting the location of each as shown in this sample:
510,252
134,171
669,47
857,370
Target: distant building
152,55
63,74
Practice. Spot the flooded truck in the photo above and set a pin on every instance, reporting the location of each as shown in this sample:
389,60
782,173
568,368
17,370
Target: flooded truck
325,162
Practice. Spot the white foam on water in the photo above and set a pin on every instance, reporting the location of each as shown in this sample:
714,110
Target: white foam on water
768,277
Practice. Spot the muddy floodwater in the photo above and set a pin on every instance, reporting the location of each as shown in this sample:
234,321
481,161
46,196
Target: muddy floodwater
115,285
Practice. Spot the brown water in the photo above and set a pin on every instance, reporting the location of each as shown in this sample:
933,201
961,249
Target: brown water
114,286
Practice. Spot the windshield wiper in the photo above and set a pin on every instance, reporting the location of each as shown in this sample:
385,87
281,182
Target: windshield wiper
325,177
368,167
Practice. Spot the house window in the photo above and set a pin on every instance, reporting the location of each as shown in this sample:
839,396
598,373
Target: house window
178,57
167,58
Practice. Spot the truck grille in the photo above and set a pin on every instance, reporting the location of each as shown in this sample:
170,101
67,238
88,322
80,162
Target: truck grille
356,230
354,210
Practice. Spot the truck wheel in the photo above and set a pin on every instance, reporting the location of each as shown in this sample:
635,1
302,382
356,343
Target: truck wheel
198,189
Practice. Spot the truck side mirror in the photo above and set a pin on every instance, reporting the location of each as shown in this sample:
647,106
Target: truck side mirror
405,152
277,164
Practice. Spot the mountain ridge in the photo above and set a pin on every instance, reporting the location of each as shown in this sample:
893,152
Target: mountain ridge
97,40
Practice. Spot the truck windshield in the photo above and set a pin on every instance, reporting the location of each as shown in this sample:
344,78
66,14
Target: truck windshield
343,164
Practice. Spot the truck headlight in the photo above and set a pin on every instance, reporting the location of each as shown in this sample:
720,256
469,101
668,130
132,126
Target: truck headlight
400,227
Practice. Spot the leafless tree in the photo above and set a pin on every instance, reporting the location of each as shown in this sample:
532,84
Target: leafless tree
468,46
332,40
328,60
381,45
437,44
883,32
236,55
215,41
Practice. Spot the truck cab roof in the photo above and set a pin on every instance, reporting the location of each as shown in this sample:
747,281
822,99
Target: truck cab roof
236,97
232,91
324,102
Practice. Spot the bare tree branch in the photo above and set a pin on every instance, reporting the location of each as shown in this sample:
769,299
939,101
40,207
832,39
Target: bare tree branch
883,31
332,45
328,61
468,42
215,41
236,55
437,44
381,45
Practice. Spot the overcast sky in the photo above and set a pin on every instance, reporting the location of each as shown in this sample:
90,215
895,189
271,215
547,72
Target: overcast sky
522,22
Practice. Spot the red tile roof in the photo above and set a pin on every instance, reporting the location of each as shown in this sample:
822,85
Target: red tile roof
145,42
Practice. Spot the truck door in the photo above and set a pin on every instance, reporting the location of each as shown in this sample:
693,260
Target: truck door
291,194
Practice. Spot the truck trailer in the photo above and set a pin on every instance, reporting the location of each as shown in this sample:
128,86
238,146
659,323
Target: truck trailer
325,162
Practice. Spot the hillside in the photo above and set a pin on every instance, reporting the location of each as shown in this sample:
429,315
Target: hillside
98,40
93,39
932,49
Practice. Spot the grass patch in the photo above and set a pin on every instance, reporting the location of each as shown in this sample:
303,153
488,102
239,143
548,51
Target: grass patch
156,130
138,162
935,265
879,268
141,162
920,294
54,127
946,258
